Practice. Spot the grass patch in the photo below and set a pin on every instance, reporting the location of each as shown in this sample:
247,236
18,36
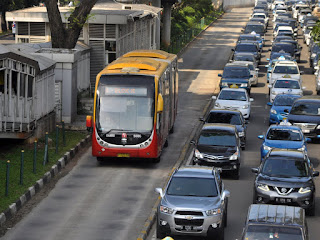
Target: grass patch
29,178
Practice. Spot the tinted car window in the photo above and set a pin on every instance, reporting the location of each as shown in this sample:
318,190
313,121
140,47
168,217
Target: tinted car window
287,84
235,72
287,48
232,95
246,48
189,186
229,118
286,69
273,232
275,167
306,108
284,100
284,134
238,57
254,28
217,138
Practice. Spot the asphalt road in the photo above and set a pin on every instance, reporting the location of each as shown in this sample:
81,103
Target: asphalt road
114,199
241,190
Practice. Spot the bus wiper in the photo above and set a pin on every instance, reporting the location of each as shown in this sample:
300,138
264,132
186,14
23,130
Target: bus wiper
118,130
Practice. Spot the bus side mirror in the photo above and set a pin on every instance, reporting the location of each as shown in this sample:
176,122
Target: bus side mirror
160,103
89,123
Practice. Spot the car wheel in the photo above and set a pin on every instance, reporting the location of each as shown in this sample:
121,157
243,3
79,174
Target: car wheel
312,210
318,92
156,160
166,144
216,234
243,147
236,174
100,159
225,219
172,129
254,198
160,232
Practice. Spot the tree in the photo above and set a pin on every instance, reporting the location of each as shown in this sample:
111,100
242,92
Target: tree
67,37
316,32
10,5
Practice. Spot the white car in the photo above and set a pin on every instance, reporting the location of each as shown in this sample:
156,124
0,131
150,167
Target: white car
260,15
285,69
286,29
234,99
285,86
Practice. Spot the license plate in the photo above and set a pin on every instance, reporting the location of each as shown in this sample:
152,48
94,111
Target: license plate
188,228
283,200
234,86
305,130
285,118
123,155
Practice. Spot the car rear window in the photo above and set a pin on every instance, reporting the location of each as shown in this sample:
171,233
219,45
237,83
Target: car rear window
219,117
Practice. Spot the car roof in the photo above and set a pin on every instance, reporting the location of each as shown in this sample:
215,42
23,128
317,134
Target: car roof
276,214
195,171
309,98
287,62
234,89
244,62
244,53
219,126
287,79
288,95
232,64
247,42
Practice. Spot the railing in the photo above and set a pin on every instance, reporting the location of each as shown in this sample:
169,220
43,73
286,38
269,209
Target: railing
178,41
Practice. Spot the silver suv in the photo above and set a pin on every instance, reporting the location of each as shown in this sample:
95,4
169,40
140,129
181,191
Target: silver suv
194,202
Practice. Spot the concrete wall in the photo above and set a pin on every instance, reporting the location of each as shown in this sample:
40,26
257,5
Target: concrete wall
237,3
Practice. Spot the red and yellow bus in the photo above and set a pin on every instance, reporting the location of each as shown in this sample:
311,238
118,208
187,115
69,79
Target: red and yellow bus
135,105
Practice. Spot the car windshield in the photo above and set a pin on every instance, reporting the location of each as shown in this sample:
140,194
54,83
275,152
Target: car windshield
217,138
286,69
275,55
254,28
220,117
246,48
236,72
284,134
255,232
284,47
247,37
189,186
306,108
284,167
232,95
238,57
287,84
284,100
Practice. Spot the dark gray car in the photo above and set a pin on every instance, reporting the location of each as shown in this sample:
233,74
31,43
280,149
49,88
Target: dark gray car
194,203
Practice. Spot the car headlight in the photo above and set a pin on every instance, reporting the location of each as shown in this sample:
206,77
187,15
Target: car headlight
217,105
318,127
302,148
166,210
313,55
241,134
198,154
265,147
273,111
263,187
245,106
224,84
213,212
234,156
273,93
243,85
303,190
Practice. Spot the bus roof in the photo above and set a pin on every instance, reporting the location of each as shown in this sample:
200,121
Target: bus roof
149,54
139,64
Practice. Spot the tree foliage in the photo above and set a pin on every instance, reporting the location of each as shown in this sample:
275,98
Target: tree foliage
11,5
316,32
189,12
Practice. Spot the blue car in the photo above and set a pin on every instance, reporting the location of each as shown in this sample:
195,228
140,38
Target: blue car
283,137
281,107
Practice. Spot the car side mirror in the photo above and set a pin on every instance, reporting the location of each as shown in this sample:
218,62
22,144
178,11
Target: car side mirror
295,34
261,136
308,139
225,194
255,170
193,142
251,99
159,190
257,69
303,88
219,75
232,50
268,59
201,119
301,72
214,97
269,103
266,66
315,174
269,86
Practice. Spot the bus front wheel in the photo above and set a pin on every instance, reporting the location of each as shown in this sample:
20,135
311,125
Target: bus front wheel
156,160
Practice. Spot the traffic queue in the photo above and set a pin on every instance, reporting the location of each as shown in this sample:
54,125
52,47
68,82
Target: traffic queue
284,188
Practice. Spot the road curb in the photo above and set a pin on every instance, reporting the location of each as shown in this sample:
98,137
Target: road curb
55,170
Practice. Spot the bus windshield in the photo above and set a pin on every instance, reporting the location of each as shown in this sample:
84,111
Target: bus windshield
125,103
